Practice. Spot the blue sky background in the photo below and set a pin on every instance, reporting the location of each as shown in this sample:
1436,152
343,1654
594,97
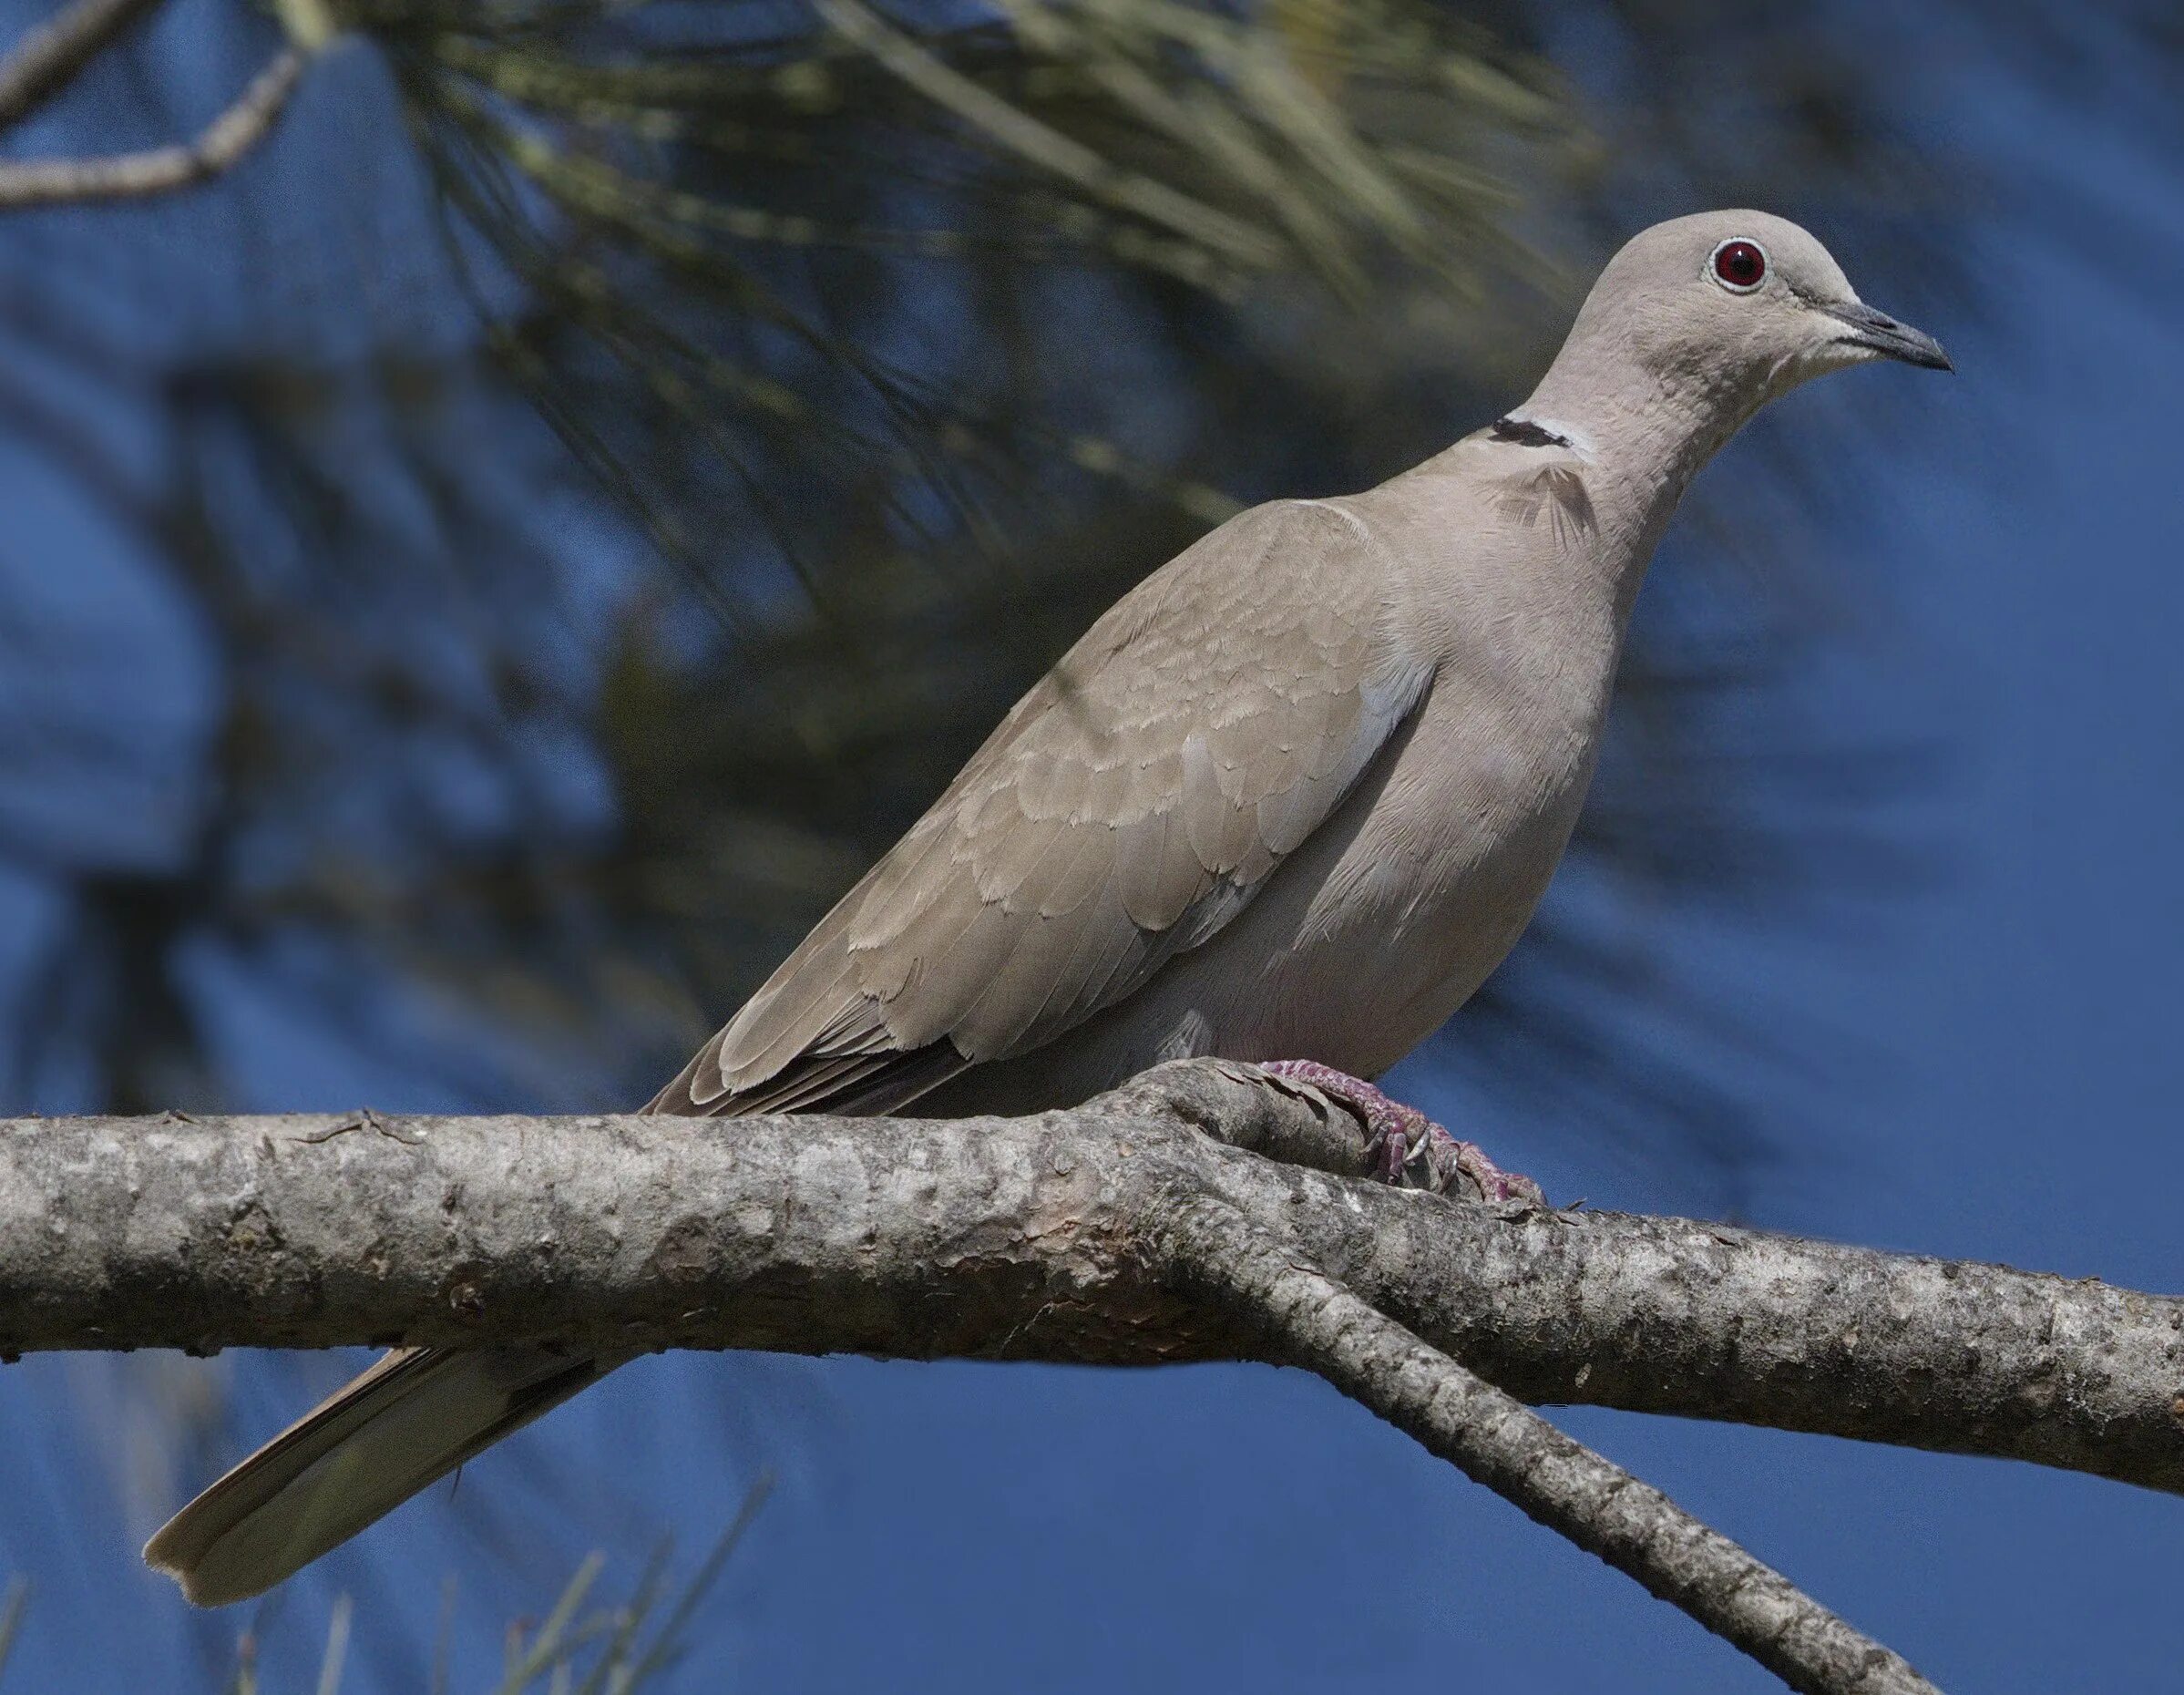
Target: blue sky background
1993,1073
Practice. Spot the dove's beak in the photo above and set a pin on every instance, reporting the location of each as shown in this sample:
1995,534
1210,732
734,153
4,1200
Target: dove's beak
1879,332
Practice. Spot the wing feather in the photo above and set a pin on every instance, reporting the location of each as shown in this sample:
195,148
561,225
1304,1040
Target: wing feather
1125,809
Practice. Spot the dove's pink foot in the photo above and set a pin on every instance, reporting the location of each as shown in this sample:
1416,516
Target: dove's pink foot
1402,1142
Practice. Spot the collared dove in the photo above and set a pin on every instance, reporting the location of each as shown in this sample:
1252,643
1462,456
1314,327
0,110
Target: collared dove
1295,795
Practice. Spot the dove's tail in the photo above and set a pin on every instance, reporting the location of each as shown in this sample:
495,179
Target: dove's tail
409,1421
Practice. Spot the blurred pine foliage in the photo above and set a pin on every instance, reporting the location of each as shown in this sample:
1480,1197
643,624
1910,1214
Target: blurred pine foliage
491,568
879,352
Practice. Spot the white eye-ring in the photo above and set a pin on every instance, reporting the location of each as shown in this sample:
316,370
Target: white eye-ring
1738,265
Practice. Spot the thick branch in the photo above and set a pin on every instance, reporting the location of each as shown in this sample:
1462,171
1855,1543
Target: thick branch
1116,1232
1498,1442
1021,1238
159,171
49,58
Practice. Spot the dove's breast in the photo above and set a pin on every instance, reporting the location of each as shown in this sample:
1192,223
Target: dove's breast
1411,908
1395,911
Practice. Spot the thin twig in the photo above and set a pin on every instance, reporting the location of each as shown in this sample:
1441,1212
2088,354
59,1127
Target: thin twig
48,60
160,170
1499,1442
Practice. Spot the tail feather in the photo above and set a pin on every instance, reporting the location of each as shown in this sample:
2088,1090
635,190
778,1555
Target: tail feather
404,1424
420,1413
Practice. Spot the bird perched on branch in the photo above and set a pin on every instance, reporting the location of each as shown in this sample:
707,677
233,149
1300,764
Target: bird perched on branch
1289,801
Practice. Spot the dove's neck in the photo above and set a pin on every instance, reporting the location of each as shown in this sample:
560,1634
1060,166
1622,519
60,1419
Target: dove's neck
1638,438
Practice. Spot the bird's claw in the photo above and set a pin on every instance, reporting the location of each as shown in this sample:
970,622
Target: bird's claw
1397,1141
1464,1165
1405,1147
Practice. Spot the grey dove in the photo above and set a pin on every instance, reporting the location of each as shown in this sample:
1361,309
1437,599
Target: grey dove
1290,799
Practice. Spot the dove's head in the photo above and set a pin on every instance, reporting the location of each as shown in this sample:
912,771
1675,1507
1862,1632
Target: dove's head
1723,311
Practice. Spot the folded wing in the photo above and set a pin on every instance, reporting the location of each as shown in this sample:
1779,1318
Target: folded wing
1128,807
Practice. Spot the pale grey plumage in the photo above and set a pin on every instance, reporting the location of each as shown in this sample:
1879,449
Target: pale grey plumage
1131,806
1296,795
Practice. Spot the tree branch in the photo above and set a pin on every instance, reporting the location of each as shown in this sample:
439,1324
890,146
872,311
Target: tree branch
159,171
1497,1441
1023,1238
51,56
1120,1232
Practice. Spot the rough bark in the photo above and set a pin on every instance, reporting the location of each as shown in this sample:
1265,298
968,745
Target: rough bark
1025,1239
1203,1212
1497,1441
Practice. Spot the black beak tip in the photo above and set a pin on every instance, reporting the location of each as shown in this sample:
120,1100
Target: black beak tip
1936,359
1890,338
1899,341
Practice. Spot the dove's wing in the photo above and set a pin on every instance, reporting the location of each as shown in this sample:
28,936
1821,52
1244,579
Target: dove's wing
1128,807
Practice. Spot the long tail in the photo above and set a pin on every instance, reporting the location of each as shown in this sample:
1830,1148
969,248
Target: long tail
409,1421
422,1411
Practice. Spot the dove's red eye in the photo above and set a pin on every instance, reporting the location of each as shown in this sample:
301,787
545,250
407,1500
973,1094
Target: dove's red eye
1741,265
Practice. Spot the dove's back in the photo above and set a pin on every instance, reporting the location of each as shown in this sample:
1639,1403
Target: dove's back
1295,795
